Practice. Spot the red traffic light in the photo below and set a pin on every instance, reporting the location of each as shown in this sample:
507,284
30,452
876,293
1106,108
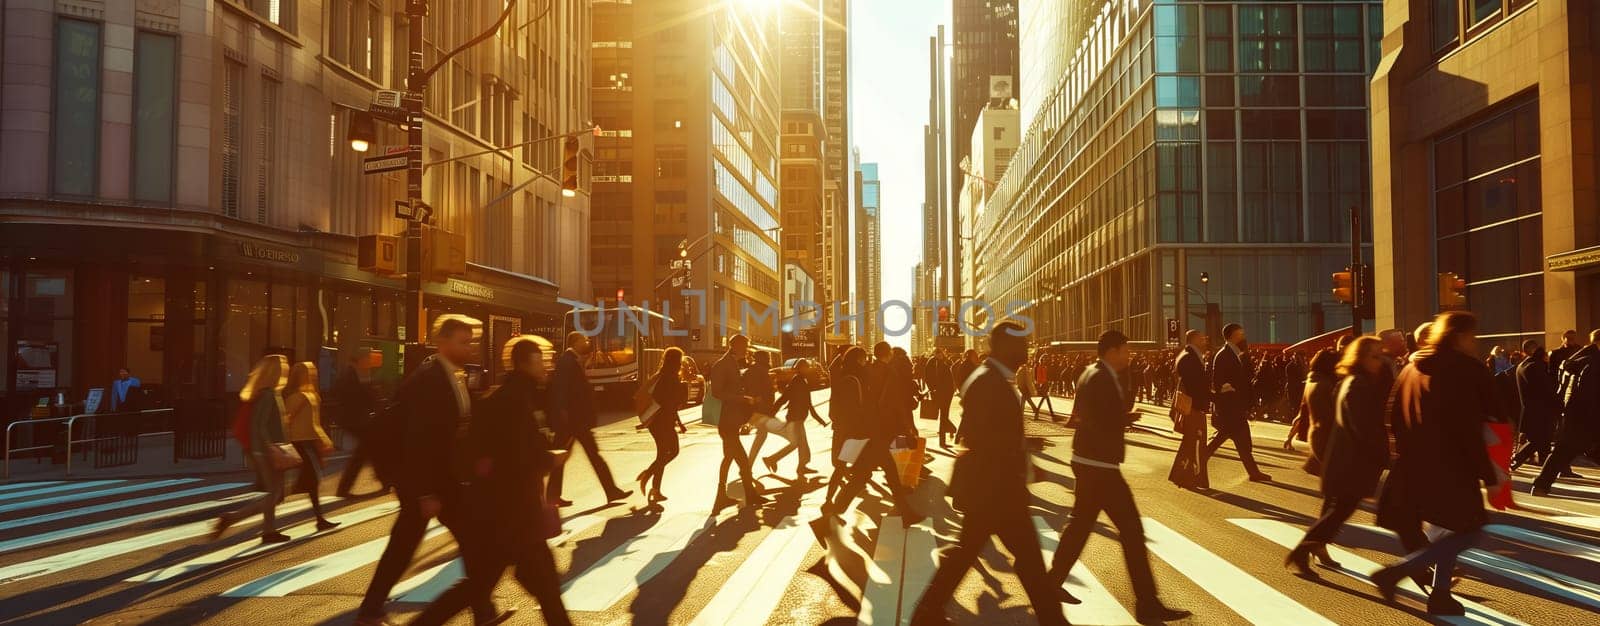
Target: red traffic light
1344,287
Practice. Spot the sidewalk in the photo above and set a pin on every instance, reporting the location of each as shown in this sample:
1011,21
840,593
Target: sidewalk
154,460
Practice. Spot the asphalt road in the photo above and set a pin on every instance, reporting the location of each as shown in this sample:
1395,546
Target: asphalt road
135,551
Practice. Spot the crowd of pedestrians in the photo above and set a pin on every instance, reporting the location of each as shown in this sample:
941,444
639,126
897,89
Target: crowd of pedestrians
1416,407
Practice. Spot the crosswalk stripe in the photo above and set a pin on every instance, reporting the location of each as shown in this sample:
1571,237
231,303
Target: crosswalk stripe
1098,605
1550,542
63,561
88,484
1256,601
754,590
89,495
633,563
1579,520
290,580
1571,589
28,485
426,586
253,548
74,532
1562,484
921,561
881,600
120,504
1359,568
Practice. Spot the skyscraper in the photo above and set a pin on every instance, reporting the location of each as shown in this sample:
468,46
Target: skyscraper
836,283
694,163
869,248
936,193
983,72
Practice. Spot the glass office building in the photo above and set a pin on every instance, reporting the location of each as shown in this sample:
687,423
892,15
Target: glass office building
1218,139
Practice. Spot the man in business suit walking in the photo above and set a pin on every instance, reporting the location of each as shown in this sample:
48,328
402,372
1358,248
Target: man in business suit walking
1103,405
941,388
990,484
435,409
727,384
1189,466
572,416
1230,388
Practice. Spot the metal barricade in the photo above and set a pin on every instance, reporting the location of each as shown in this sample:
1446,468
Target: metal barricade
114,458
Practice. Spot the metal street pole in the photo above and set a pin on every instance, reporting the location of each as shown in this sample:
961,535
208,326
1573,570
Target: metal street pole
1356,287
415,316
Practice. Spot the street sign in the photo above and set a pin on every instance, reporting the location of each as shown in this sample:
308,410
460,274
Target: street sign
950,337
385,163
386,98
1172,331
402,210
392,115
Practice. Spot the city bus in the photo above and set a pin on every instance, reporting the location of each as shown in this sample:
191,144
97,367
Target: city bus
627,343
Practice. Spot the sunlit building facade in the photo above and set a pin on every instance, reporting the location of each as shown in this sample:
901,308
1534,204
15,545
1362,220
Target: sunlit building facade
869,252
694,94
1221,138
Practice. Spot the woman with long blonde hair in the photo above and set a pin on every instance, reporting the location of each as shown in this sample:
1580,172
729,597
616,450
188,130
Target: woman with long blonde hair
303,424
263,392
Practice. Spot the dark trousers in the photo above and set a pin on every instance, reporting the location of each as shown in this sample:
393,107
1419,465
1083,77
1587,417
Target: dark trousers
875,455
1100,489
584,438
1335,512
1567,449
535,567
733,452
666,450
1020,538
941,408
359,457
409,528
1239,433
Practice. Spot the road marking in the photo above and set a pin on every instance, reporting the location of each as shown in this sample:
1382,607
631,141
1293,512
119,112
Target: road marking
1550,542
89,529
880,602
1579,520
286,581
1099,605
426,586
252,548
921,561
61,562
59,488
633,563
754,590
1359,568
28,485
1255,601
1572,589
120,504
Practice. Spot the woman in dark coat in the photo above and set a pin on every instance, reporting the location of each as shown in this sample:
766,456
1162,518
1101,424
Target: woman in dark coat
1438,411
846,408
1356,452
668,394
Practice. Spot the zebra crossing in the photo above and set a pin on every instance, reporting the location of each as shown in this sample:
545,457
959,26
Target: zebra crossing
71,529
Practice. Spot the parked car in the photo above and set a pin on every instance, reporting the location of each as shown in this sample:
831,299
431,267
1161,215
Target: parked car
783,373
693,380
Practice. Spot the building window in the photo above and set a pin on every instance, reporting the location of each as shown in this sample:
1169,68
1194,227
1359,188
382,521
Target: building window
266,151
1219,39
1333,39
154,115
1177,38
1455,21
232,135
280,12
43,347
1488,218
1267,38
76,134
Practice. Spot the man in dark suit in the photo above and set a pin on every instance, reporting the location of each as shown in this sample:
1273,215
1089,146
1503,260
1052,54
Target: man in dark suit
941,386
883,421
1580,418
435,410
358,411
573,417
1536,389
1189,466
727,384
1231,392
1103,406
990,484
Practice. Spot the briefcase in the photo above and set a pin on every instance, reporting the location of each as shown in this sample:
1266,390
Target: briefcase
926,409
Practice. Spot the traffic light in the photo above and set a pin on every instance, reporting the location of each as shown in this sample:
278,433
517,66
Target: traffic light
1452,291
569,166
1344,286
619,295
1366,304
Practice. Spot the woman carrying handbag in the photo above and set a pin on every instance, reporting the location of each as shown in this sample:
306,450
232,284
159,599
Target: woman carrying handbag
267,449
303,424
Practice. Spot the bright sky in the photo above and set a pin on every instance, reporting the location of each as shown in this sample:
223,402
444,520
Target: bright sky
889,106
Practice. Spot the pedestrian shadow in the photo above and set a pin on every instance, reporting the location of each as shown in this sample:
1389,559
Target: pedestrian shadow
1269,510
659,596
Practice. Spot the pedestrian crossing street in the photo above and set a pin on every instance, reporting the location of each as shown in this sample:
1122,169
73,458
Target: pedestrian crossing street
152,534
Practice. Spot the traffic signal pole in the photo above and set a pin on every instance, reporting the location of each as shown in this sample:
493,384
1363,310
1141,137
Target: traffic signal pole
415,316
1356,275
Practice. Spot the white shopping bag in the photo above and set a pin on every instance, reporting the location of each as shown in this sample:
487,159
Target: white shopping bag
649,412
851,450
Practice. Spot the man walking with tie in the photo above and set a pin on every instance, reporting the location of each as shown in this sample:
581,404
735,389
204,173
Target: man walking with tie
572,416
990,484
1103,405
1230,386
435,410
